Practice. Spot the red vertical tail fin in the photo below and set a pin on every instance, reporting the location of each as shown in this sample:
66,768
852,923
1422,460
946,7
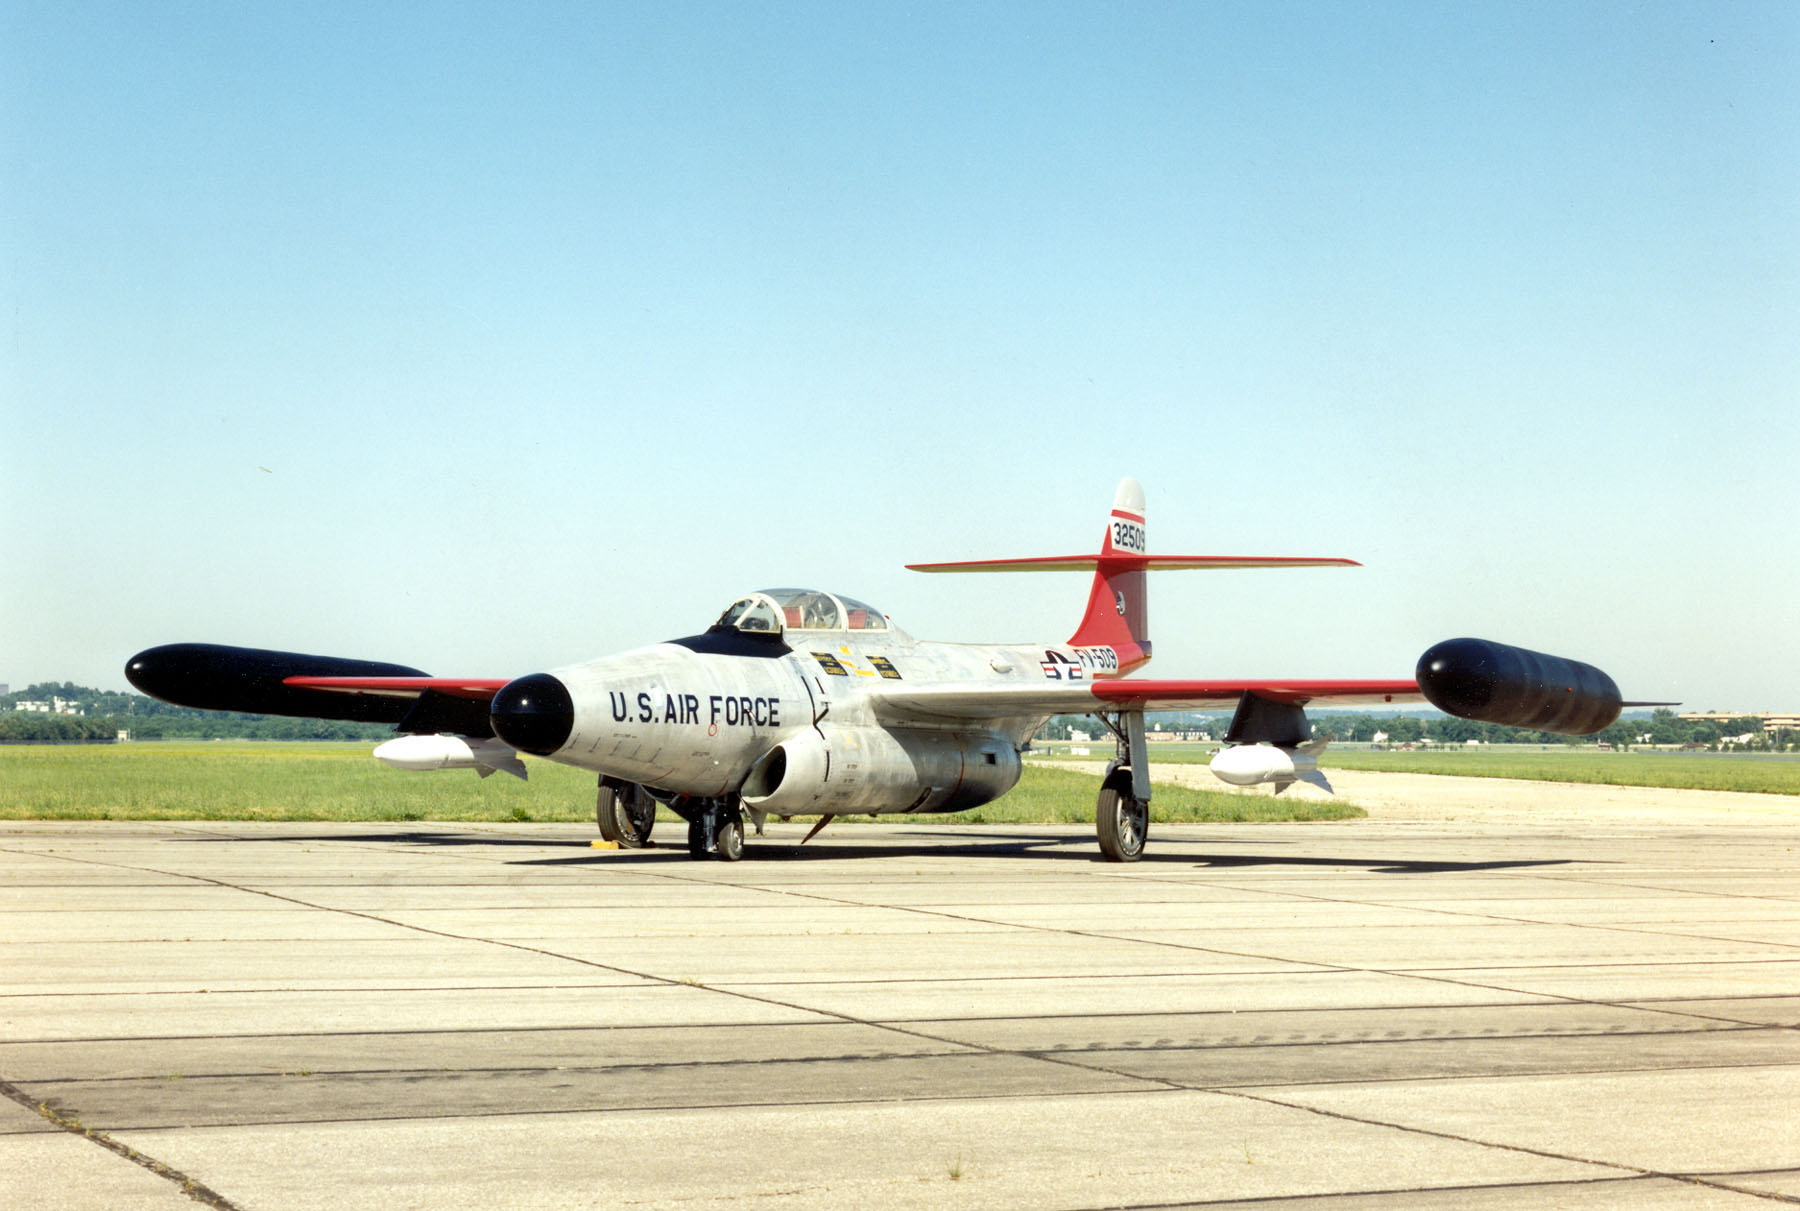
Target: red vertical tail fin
1117,616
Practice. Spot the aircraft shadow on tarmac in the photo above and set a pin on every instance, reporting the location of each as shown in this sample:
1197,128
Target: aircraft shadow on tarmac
1077,847
1082,850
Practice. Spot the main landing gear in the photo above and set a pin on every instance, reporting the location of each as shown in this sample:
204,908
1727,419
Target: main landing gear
1122,812
1121,821
625,812
715,826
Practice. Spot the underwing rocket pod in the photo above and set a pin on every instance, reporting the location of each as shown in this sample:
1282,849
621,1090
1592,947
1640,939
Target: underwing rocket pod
1282,764
1498,683
450,752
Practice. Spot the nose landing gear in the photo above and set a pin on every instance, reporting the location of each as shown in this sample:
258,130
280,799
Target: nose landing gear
716,827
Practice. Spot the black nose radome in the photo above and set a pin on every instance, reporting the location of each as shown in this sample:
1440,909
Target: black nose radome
533,714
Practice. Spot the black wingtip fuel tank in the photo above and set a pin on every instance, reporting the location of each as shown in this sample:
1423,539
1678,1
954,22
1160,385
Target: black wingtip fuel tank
1498,683
533,714
214,677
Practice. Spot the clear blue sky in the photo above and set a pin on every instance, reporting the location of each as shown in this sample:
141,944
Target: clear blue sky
487,338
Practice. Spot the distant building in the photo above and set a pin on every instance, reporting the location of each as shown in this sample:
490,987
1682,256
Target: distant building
56,706
1770,723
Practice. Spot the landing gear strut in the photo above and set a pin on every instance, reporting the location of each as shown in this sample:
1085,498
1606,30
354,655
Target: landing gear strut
1122,812
715,826
625,812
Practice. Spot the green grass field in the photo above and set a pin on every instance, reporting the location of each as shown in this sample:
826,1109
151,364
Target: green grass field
1768,773
270,780
1699,771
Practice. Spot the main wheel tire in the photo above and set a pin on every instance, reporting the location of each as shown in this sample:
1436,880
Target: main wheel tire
1123,823
626,813
730,845
637,816
607,811
697,839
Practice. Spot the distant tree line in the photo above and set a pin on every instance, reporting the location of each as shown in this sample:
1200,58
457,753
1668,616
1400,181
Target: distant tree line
1660,726
108,713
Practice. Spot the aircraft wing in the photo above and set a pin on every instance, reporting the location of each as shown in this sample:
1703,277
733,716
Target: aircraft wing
940,703
264,682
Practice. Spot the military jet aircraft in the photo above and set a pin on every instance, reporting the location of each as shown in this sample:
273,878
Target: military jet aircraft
799,702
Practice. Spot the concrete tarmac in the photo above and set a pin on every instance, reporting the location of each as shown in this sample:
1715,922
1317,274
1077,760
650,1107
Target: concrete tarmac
1397,1013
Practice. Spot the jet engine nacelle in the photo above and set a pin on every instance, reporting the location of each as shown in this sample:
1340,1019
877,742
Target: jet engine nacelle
837,770
1498,683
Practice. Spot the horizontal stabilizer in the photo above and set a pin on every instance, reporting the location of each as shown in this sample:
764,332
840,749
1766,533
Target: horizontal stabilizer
1114,562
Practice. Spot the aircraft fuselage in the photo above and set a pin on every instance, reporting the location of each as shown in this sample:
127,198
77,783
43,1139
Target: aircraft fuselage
696,716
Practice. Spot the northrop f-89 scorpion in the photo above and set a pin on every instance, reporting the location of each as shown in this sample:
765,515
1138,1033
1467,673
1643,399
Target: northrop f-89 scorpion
798,702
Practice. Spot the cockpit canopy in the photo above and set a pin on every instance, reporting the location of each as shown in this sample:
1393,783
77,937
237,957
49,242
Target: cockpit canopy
772,611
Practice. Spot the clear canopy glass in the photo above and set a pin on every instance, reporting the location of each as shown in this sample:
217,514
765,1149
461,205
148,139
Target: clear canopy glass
776,610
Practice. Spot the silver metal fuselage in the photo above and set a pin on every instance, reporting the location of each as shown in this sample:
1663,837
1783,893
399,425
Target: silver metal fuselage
698,722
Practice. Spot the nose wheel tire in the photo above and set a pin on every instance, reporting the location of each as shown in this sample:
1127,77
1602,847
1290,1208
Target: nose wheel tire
626,813
718,831
730,843
1123,823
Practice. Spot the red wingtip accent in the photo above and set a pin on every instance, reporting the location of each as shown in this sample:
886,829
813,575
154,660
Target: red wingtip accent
477,688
